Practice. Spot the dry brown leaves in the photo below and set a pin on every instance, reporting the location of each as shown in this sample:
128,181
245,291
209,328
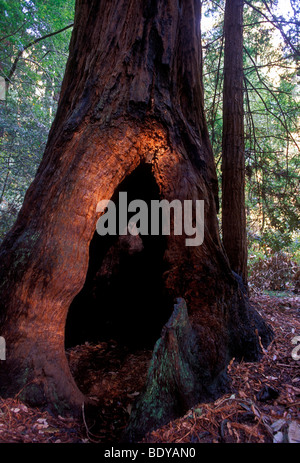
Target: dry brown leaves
22,424
251,412
112,376
275,272
262,405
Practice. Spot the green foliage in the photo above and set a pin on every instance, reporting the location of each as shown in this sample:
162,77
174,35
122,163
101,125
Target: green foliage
272,108
33,75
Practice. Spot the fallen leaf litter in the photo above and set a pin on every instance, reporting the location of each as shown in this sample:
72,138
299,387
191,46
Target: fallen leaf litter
262,405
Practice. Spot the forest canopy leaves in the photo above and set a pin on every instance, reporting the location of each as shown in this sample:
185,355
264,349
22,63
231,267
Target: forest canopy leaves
33,68
271,105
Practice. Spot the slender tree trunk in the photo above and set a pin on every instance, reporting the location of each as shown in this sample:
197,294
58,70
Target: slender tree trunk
131,96
233,155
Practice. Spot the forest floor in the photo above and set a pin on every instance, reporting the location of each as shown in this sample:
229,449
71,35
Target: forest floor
262,406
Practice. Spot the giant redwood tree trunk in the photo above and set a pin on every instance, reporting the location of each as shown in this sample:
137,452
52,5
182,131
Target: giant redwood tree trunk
132,96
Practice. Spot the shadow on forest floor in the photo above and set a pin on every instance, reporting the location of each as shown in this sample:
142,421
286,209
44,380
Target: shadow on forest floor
113,376
262,406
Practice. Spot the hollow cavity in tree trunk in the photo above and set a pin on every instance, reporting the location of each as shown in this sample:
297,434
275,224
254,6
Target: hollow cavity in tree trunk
124,297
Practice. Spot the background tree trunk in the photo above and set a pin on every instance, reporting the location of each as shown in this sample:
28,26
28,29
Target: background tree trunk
233,149
131,96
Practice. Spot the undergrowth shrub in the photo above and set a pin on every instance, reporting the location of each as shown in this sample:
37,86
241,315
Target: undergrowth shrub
274,272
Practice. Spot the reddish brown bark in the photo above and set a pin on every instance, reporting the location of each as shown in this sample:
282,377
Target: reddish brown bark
233,149
132,95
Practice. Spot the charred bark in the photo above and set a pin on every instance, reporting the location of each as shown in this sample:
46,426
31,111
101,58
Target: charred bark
132,95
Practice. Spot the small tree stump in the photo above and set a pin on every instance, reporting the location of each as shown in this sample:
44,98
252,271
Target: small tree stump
174,382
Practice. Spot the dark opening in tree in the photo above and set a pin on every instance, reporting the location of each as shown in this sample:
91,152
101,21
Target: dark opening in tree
124,297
